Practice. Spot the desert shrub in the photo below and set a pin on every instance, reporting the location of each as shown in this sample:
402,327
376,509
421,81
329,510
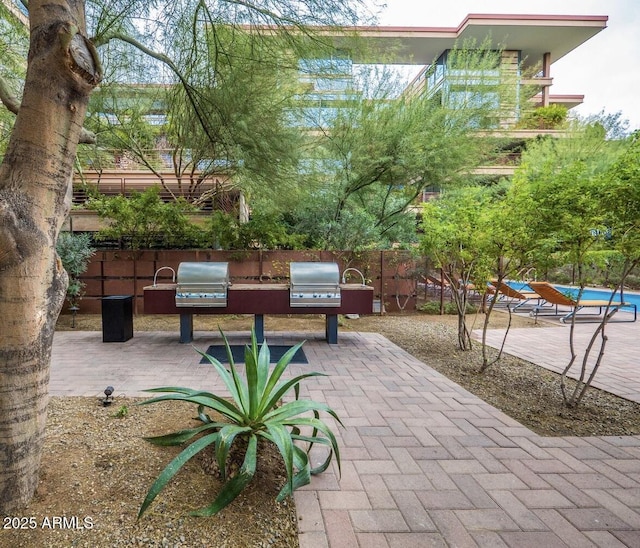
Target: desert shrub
144,221
74,250
263,230
255,410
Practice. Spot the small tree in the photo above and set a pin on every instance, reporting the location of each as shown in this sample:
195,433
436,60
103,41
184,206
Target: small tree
502,241
620,199
375,156
454,240
558,195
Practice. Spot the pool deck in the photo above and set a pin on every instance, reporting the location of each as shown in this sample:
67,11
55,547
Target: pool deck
424,462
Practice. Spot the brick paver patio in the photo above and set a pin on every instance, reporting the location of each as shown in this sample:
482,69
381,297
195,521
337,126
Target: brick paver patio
424,462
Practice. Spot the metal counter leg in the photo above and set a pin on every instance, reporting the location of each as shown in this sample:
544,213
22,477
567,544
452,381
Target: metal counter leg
331,321
186,328
258,327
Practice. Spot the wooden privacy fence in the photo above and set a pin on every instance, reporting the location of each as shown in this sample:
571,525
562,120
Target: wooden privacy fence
392,273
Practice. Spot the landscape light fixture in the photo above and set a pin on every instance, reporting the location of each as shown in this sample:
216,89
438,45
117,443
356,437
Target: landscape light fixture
108,392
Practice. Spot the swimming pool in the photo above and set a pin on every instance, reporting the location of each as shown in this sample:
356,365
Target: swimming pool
587,294
602,294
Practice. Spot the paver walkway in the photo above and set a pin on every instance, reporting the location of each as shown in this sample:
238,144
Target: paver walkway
424,462
619,372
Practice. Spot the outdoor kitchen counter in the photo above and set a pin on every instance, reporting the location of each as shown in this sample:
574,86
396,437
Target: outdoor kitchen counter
258,299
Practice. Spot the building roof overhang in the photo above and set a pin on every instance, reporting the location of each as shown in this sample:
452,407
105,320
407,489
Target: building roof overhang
533,35
569,101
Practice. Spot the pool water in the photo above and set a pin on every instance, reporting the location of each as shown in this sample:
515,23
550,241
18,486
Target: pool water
602,294
587,294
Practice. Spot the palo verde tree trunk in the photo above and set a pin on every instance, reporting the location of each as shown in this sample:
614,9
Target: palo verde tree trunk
35,192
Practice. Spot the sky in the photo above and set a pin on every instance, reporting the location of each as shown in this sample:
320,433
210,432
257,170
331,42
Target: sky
605,69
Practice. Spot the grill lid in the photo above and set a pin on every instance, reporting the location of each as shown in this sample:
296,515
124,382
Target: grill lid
314,284
202,284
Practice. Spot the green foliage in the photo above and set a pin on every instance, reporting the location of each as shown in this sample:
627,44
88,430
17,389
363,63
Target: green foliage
621,200
556,198
118,114
374,158
231,116
456,238
74,250
14,45
549,117
577,198
476,83
223,230
143,221
122,412
356,229
255,411
263,230
453,228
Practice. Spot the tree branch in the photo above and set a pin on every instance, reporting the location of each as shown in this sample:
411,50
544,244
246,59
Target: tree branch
167,61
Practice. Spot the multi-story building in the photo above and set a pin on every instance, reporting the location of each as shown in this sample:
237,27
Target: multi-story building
528,45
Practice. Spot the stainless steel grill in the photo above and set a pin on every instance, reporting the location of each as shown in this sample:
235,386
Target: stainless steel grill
202,284
314,285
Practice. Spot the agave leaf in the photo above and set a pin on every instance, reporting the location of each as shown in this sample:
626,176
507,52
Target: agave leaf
278,370
300,458
252,363
313,440
239,385
235,485
228,378
270,400
318,425
298,407
280,436
178,389
211,401
225,440
322,467
202,415
264,364
174,467
301,478
176,438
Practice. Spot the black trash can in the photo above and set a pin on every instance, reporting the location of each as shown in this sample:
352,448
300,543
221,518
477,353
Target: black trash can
117,318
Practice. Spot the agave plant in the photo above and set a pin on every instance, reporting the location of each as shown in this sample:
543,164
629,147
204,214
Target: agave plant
255,410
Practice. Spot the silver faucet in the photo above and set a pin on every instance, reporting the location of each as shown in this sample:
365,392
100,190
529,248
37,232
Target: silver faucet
162,268
344,277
